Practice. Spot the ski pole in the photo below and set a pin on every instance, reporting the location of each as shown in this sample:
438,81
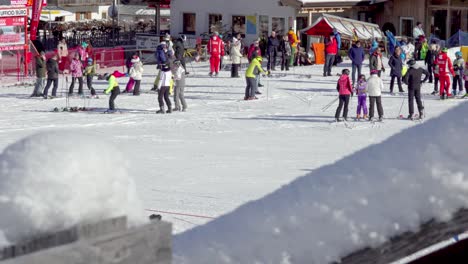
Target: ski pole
329,104
401,107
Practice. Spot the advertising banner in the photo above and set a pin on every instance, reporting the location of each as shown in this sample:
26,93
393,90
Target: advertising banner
147,41
36,16
251,25
12,28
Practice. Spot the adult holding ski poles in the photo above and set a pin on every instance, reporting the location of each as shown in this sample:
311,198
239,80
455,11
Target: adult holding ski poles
413,80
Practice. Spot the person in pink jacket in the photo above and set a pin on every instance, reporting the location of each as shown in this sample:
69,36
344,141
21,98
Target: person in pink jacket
345,89
76,69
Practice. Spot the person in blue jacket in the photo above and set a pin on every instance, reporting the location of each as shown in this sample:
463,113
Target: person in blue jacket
161,55
356,54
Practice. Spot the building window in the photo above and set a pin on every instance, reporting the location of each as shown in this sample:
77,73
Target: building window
83,15
215,23
263,24
406,26
439,2
189,23
277,25
238,25
104,15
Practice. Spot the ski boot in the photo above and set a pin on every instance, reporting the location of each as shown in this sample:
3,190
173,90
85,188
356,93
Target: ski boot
442,97
169,110
358,117
161,111
434,92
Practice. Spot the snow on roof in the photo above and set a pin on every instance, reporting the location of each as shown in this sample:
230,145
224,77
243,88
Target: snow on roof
362,200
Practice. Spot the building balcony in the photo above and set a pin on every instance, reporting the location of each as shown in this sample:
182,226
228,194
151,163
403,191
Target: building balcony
84,2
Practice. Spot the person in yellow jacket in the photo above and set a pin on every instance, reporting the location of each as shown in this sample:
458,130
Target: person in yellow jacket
292,37
113,89
254,69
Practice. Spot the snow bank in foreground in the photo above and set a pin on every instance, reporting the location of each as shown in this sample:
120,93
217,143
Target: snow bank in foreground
54,180
360,200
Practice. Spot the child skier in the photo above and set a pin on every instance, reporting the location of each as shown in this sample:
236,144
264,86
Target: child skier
76,69
345,89
89,72
114,89
361,91
178,73
458,69
374,88
254,69
136,73
164,85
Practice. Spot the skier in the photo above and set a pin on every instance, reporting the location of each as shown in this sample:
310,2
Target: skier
254,51
114,89
345,89
445,68
286,53
164,86
361,91
255,68
131,81
52,76
40,74
89,72
179,51
396,65
413,80
374,88
458,69
136,73
178,74
76,69
216,50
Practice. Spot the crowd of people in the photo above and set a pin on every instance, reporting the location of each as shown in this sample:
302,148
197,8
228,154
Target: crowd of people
172,68
403,69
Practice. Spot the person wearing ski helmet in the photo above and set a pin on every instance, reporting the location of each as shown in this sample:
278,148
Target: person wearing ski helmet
444,64
413,78
254,69
89,72
113,88
216,50
345,90
458,65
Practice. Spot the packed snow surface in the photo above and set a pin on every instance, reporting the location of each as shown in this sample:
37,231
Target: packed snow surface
361,200
53,180
223,152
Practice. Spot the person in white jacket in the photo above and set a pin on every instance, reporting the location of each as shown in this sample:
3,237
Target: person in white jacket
178,73
136,73
164,86
374,88
236,56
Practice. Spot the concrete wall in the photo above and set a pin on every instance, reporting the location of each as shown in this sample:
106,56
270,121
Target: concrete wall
105,243
227,8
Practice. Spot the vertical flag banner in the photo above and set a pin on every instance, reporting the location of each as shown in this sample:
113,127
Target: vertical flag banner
36,15
251,25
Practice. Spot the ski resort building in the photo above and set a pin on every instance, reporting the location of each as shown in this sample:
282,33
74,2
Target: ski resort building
250,18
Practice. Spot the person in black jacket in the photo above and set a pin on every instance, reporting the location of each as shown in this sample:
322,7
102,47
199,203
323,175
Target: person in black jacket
52,76
272,51
413,80
286,52
396,65
430,59
179,51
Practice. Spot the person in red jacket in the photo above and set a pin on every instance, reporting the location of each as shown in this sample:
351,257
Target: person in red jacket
444,65
345,89
331,49
216,50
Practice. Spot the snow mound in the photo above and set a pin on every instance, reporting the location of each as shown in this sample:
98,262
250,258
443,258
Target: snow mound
361,200
51,181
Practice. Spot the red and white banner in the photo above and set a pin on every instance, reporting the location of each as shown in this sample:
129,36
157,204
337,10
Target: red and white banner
12,21
36,16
